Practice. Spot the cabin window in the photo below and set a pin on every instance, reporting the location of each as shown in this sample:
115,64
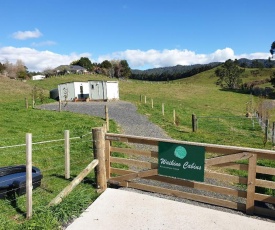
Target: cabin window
92,86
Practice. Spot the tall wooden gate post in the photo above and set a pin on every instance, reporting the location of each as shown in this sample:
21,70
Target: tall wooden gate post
29,175
99,153
67,153
250,197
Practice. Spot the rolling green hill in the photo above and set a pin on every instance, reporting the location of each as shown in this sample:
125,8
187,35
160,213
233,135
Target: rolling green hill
220,113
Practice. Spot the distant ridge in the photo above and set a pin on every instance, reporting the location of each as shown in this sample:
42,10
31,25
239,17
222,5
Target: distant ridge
183,71
174,69
266,63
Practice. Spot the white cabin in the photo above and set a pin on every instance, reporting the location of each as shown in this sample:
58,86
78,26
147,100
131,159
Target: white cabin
72,91
103,90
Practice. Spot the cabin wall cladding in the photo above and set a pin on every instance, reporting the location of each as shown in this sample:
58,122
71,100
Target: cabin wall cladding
73,90
103,90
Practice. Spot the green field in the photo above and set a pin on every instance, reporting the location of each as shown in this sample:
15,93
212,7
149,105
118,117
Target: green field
221,120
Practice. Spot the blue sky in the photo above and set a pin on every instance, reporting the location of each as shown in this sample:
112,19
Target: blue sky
147,33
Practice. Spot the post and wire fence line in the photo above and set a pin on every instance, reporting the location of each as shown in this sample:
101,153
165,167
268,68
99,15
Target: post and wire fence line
221,124
32,157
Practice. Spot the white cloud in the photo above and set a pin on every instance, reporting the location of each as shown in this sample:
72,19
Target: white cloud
137,59
156,58
23,35
37,60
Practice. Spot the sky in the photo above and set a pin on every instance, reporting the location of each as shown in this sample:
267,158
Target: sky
147,33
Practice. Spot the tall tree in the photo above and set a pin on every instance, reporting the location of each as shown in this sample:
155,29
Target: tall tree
2,67
272,79
84,62
106,64
229,75
126,71
272,50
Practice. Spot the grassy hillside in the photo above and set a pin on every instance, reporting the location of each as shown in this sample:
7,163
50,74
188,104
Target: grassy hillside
221,120
198,95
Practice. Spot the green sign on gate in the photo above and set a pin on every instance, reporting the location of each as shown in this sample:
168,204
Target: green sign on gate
181,161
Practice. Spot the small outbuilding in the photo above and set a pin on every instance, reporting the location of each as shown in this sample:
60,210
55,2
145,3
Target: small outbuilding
73,91
103,90
38,77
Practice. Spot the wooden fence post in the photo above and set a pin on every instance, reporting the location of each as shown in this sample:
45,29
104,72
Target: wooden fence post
59,105
174,116
26,103
29,175
99,153
140,98
33,102
162,107
145,100
107,117
250,197
152,102
107,159
273,132
266,129
194,123
67,153
74,183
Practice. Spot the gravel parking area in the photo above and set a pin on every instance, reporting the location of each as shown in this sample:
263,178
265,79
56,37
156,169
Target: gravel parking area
132,123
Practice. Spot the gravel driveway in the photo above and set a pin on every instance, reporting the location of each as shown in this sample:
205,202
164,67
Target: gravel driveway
123,113
131,123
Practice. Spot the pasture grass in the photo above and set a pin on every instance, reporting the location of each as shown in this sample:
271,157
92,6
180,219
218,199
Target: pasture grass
195,95
44,125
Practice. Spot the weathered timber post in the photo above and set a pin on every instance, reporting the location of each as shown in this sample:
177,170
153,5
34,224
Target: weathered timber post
99,153
145,99
26,103
266,130
33,102
273,132
250,197
107,117
67,153
59,105
174,116
194,123
74,183
29,175
152,103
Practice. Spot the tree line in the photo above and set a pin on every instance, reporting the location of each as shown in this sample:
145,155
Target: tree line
113,68
170,73
14,71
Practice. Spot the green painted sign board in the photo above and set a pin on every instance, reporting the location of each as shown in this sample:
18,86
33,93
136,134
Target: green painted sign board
181,161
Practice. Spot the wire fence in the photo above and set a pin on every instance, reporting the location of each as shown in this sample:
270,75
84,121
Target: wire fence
225,124
49,157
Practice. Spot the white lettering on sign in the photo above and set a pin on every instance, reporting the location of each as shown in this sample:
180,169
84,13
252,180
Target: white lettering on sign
166,162
186,165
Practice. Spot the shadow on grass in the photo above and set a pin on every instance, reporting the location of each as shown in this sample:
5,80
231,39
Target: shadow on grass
11,198
84,181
